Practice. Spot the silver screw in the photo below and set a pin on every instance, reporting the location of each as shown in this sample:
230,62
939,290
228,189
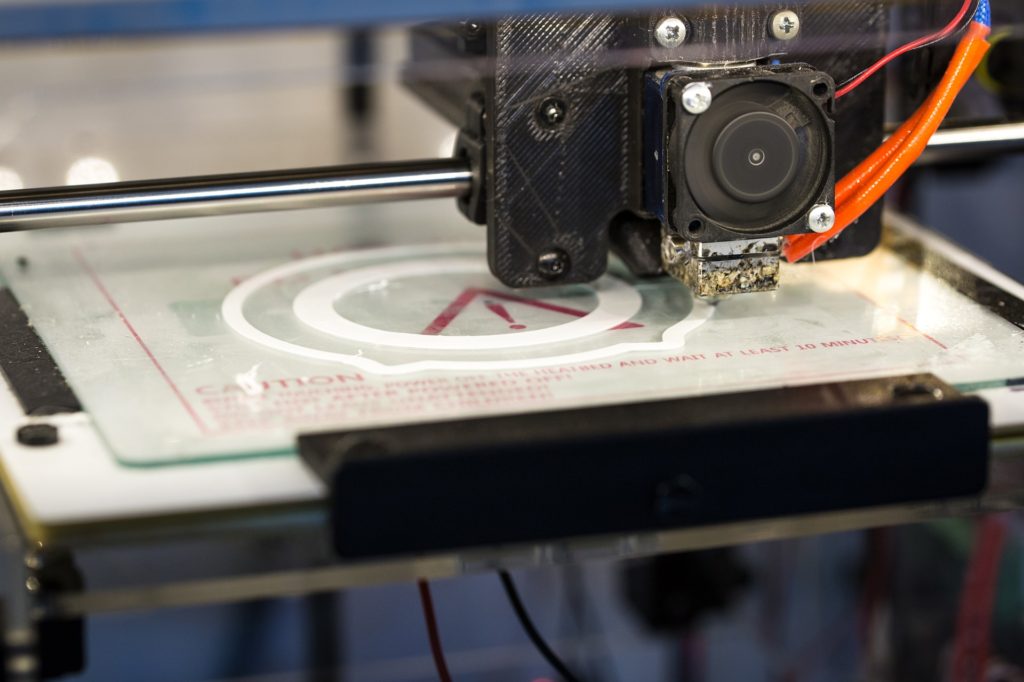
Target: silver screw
670,32
553,264
697,98
552,112
785,25
822,218
34,561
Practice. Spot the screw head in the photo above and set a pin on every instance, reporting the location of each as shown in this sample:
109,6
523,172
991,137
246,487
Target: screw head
551,112
37,435
785,25
670,32
918,391
34,561
697,98
822,218
553,264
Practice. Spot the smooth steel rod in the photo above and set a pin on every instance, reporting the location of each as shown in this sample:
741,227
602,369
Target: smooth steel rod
974,141
314,187
235,193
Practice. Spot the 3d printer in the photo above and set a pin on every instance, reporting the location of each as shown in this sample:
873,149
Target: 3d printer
710,144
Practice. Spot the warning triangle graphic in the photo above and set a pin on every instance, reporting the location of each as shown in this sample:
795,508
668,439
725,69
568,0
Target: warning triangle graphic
492,300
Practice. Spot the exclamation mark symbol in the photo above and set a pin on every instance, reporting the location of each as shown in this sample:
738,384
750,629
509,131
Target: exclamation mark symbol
499,310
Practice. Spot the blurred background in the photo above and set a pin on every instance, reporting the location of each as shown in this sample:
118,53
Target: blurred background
909,603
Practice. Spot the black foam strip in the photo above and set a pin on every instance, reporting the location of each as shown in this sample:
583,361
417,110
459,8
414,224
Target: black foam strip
31,371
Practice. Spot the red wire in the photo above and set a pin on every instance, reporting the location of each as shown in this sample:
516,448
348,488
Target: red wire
949,30
874,585
433,633
974,621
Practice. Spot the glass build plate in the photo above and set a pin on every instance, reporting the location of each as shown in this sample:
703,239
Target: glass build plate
218,338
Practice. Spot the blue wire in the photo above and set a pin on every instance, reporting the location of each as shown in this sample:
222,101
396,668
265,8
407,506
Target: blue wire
984,13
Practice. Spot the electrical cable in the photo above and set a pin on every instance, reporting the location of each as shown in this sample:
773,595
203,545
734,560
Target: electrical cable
863,187
873,585
950,29
531,631
870,166
974,621
432,632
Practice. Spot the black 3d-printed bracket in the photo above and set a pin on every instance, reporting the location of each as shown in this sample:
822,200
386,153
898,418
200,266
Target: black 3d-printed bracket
649,466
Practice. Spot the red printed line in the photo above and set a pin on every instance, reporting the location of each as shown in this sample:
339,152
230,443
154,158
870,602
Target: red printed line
441,322
447,315
927,336
142,344
901,320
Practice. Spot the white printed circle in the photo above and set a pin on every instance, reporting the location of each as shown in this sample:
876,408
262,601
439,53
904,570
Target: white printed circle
315,307
617,302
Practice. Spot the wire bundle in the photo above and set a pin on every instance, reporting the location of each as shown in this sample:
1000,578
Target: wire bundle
434,635
866,184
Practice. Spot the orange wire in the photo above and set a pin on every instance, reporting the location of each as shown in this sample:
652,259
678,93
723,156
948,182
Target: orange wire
861,192
867,168
846,187
916,142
